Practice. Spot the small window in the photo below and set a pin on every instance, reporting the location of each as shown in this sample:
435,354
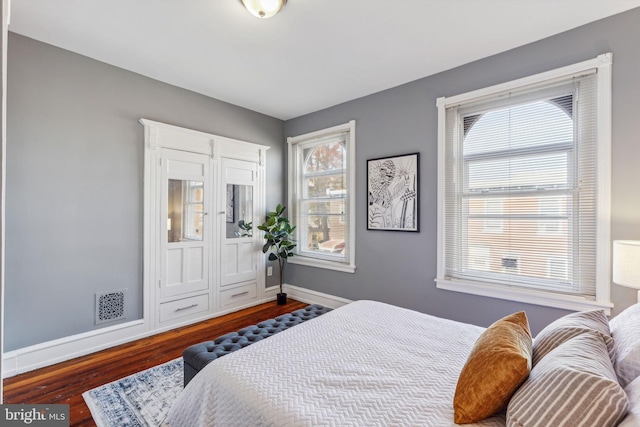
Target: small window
479,257
557,268
493,215
322,200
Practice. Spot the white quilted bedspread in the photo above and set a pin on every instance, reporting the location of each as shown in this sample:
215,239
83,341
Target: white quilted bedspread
364,364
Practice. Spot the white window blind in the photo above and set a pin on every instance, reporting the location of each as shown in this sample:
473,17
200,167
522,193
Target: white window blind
519,192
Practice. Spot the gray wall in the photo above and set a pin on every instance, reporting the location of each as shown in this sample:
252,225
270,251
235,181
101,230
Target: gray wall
74,182
4,7
400,267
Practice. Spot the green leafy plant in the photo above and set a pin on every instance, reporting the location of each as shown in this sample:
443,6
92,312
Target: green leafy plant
246,227
277,233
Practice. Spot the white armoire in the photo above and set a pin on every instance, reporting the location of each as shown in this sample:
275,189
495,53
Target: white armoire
204,196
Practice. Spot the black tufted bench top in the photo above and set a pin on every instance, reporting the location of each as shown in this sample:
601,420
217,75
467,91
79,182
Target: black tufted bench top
198,356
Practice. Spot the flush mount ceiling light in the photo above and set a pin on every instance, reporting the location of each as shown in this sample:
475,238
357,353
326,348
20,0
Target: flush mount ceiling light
264,8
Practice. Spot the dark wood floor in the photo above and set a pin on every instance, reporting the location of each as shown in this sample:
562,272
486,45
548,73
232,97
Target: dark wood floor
65,382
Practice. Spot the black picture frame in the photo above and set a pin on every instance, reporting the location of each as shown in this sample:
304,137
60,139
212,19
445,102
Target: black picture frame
393,191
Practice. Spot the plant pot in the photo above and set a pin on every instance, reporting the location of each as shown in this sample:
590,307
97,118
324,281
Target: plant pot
282,299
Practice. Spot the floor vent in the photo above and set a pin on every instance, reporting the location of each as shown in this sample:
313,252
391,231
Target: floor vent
110,306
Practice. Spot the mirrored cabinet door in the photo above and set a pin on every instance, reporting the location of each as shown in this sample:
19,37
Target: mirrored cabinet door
239,211
185,222
239,221
185,210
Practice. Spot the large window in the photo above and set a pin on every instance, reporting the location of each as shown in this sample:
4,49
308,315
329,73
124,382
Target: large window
321,197
523,184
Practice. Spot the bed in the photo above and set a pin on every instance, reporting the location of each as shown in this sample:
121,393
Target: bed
370,363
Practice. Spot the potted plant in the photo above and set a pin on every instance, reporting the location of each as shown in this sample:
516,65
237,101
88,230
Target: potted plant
277,233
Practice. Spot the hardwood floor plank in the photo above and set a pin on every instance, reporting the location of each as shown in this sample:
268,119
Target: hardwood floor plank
65,382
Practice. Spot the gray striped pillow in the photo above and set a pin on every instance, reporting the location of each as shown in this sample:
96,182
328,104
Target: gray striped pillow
570,326
573,385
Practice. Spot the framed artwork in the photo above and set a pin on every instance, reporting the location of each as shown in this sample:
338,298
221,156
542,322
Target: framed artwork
230,203
392,193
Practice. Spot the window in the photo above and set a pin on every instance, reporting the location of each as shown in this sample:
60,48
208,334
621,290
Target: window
185,210
524,174
493,210
557,268
552,218
194,208
322,197
479,257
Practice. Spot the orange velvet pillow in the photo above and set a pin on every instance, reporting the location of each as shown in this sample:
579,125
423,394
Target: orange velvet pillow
498,363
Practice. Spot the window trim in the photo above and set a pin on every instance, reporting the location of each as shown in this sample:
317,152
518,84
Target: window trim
323,262
603,187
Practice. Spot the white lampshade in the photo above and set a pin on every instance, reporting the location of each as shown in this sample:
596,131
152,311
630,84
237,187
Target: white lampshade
264,8
626,263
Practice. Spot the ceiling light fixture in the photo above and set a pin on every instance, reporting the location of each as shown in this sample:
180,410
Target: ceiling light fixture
264,8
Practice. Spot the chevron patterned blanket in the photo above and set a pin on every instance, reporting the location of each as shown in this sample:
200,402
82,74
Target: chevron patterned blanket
366,363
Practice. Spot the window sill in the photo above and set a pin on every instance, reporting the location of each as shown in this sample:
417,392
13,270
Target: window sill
318,263
548,299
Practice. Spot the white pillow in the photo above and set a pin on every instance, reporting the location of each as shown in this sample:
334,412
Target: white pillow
625,330
633,416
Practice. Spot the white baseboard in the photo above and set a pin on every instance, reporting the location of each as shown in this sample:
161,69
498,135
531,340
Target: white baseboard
314,297
51,352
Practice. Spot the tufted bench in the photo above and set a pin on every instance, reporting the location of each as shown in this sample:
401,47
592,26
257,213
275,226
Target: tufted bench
198,356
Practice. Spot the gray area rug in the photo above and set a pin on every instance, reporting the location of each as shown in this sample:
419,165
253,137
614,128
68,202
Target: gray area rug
141,399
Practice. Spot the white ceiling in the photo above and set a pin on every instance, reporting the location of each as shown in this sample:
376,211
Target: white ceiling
312,55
